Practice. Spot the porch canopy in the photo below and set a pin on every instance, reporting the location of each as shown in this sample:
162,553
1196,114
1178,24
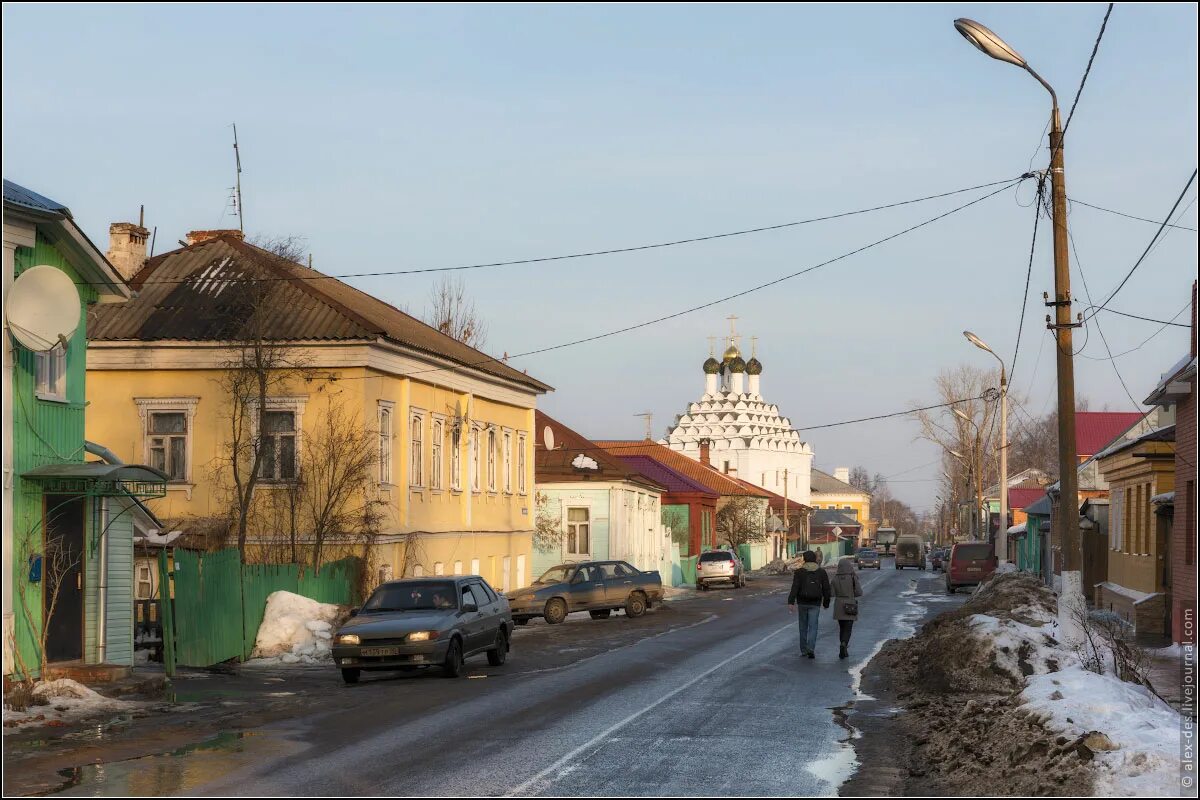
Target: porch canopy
97,479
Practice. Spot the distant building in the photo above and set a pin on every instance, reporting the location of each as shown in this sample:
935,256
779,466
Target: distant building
835,492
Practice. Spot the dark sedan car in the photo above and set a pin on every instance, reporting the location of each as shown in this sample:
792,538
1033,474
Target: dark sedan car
867,557
598,587
424,622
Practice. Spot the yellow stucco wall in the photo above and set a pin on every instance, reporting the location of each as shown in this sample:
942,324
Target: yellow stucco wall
858,502
444,523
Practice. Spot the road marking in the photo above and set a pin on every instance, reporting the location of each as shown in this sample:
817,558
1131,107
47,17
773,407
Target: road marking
557,765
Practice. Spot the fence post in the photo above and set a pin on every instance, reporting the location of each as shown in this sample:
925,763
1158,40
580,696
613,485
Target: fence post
166,613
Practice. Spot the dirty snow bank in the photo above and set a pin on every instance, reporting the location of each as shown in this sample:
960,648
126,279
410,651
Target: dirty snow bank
296,630
60,701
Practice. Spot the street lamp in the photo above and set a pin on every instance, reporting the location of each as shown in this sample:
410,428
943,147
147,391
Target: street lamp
1002,533
994,46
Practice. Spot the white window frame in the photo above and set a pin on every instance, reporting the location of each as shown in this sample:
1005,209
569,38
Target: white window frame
506,459
50,374
148,406
416,448
296,406
568,533
491,458
456,448
386,415
476,457
437,435
522,463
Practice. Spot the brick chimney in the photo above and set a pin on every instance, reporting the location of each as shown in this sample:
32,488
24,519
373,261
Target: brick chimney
127,248
705,445
196,237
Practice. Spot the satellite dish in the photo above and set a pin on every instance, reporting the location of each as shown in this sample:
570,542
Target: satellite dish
548,437
42,308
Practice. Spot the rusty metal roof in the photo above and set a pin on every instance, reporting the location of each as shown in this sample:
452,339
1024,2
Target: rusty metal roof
209,292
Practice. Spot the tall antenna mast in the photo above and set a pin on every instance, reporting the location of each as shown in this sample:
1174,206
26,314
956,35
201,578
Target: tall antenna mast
237,155
649,417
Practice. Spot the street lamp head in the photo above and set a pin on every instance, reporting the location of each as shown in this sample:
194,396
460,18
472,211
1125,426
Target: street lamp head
988,42
975,340
959,413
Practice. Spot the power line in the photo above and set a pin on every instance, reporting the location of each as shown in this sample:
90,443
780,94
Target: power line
1147,319
1087,70
615,250
1037,215
1145,252
1127,216
1147,340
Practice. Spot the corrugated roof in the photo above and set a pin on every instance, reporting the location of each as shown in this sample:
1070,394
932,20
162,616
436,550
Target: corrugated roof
17,195
826,483
1020,497
1095,429
556,466
692,469
663,475
199,293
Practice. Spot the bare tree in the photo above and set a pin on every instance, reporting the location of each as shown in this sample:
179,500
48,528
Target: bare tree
548,531
58,563
454,314
742,520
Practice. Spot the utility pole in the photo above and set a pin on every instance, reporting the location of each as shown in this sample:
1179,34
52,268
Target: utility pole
787,529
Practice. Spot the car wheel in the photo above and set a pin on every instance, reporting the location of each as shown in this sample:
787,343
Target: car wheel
454,659
602,614
350,675
635,606
498,654
556,611
702,586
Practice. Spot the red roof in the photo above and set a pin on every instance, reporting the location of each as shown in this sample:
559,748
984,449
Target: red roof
1095,429
1023,497
718,482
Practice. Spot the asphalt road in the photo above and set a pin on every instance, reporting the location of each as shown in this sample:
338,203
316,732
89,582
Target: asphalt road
712,697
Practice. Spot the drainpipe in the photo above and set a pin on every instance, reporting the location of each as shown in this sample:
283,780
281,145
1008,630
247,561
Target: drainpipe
102,583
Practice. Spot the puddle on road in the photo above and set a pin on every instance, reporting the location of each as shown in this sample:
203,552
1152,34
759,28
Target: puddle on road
176,771
840,765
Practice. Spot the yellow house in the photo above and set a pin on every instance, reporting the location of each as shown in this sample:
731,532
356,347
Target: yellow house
835,492
1137,471
449,430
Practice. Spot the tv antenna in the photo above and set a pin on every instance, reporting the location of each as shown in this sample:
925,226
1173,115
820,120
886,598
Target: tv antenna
649,417
237,157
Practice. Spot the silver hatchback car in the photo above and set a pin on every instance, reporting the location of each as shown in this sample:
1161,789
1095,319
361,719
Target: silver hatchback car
425,622
719,566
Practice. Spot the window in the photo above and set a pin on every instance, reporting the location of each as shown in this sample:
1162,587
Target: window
475,459
167,440
505,568
521,463
145,583
416,451
579,532
418,571
51,373
491,459
507,461
469,598
474,566
456,456
278,446
435,453
458,568
385,443
439,568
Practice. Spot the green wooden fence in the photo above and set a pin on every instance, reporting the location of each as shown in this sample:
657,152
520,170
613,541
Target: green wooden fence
219,603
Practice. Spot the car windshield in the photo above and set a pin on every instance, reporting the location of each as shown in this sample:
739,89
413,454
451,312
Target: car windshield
556,574
866,552
413,596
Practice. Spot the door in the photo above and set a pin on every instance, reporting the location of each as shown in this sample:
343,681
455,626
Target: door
587,588
62,577
618,582
474,623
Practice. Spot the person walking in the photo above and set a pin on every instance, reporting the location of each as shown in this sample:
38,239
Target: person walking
846,591
810,591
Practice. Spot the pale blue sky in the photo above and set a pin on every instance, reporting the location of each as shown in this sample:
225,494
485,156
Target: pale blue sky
413,136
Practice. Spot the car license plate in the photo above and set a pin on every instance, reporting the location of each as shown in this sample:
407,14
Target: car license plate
974,569
369,652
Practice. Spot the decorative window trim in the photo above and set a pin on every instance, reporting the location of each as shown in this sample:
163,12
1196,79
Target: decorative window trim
475,457
456,452
506,459
437,447
387,462
294,404
186,405
493,460
416,447
522,463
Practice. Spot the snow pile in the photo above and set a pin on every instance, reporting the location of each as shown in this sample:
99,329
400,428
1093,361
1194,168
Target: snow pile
296,629
1137,751
61,701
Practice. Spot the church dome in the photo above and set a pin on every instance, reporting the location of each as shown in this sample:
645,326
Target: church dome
737,365
731,353
712,366
754,366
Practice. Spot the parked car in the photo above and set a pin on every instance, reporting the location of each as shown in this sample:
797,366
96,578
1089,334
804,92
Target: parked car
719,566
867,557
937,558
424,622
910,551
969,564
598,587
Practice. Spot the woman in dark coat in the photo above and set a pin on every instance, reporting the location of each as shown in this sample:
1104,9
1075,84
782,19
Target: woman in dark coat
846,591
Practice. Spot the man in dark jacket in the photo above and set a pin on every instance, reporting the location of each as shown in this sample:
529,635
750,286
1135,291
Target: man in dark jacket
811,591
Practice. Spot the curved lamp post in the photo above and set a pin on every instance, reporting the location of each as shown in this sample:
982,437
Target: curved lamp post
992,45
1002,533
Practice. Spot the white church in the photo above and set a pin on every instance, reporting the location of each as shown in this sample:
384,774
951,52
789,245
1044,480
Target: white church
749,438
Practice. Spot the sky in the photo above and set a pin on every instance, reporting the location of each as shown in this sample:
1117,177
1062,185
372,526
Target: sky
407,137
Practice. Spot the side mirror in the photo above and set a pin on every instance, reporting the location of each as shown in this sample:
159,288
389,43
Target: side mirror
469,608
